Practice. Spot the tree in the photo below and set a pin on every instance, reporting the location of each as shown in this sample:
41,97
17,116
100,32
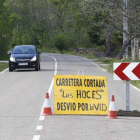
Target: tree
113,11
4,29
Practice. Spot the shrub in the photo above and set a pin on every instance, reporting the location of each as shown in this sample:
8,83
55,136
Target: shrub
61,42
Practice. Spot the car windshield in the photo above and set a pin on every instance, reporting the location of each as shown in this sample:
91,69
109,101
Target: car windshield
24,50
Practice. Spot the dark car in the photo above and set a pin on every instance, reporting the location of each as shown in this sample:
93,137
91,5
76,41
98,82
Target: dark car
24,56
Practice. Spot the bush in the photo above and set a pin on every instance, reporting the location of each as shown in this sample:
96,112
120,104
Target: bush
61,42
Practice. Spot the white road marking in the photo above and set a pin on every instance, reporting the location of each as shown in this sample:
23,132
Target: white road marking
88,60
99,66
36,137
4,71
41,118
95,64
135,88
39,127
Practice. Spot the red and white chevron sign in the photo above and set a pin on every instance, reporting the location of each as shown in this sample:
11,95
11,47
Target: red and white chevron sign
126,71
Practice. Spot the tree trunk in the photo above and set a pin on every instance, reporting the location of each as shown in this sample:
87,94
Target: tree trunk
108,44
121,53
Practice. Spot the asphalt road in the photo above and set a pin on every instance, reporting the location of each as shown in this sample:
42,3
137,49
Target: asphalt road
22,95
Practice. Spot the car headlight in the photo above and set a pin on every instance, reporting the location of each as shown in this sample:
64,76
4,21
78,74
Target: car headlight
12,59
34,58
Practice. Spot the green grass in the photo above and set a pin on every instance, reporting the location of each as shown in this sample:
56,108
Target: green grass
47,50
135,83
3,66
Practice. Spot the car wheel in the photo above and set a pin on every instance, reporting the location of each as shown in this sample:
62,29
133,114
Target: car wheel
37,68
10,69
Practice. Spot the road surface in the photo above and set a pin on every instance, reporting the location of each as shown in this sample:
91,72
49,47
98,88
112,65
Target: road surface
22,95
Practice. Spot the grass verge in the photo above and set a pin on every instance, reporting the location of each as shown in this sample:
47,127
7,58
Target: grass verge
3,66
88,56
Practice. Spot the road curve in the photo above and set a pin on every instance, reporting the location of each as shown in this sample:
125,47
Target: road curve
22,95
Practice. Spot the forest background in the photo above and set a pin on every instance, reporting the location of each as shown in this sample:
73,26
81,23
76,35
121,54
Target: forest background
65,25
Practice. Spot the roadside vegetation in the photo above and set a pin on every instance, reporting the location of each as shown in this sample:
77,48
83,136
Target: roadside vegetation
68,24
3,66
69,52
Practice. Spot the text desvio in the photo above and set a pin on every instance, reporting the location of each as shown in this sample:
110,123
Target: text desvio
72,106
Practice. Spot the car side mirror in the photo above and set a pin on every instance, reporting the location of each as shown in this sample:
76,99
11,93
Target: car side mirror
9,52
39,52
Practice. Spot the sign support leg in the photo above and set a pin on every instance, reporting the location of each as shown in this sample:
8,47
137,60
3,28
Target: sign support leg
127,96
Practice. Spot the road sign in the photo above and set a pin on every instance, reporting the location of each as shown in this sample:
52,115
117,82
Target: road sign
127,71
80,94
